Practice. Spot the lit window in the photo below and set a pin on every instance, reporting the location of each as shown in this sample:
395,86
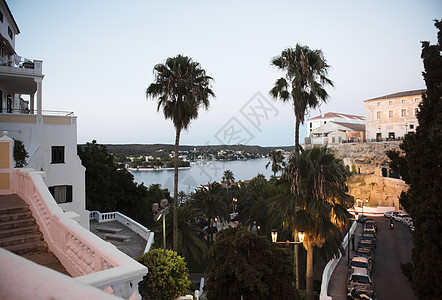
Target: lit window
403,101
61,193
379,114
403,113
390,114
57,155
390,102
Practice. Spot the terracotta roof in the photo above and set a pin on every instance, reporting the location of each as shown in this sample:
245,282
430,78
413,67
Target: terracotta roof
400,94
337,115
352,126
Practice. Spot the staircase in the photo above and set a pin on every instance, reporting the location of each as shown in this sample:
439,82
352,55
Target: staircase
20,234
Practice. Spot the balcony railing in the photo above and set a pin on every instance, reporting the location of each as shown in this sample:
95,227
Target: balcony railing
26,111
84,255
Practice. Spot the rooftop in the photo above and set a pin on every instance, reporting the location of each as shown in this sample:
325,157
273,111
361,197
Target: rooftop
338,115
400,94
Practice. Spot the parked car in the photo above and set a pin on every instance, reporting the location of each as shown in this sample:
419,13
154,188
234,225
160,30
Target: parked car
407,221
361,263
388,214
371,222
364,252
360,280
369,237
370,228
361,218
366,244
398,217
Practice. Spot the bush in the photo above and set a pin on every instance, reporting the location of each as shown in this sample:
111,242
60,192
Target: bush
167,277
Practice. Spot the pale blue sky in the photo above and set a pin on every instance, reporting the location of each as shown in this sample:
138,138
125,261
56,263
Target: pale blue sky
98,58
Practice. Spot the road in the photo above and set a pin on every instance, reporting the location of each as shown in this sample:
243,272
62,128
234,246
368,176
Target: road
393,248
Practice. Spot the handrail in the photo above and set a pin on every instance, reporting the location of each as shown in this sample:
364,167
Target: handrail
331,265
84,255
126,221
26,111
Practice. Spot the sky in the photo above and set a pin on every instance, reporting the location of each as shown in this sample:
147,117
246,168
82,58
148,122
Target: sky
98,58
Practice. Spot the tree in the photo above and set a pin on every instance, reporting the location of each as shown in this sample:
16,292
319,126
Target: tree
20,154
228,178
277,161
210,202
319,203
305,76
419,166
247,266
167,278
191,242
181,87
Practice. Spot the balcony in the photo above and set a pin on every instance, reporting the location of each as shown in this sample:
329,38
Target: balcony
17,65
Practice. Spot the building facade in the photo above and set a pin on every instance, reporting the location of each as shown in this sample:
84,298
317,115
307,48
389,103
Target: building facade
339,126
392,116
49,137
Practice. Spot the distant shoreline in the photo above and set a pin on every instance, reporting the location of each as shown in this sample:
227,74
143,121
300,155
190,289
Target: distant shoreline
157,169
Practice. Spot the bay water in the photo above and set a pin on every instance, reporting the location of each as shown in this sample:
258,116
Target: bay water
203,172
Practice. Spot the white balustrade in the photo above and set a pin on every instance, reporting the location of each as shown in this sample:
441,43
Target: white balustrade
84,255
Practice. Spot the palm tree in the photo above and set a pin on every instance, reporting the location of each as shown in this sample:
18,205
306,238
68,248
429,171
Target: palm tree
319,203
191,242
228,178
181,87
277,161
303,84
210,202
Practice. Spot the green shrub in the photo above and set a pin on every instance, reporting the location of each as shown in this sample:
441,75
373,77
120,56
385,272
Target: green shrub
167,277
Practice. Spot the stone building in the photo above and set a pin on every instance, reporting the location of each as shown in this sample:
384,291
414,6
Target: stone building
392,116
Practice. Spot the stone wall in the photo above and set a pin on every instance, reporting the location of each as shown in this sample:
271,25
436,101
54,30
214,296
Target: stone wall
366,160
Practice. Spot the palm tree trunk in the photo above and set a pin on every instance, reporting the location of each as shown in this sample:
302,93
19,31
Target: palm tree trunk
175,193
297,123
309,272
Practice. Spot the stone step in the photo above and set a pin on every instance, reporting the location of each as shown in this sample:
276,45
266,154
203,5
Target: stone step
14,209
11,216
119,237
4,233
20,239
28,247
17,223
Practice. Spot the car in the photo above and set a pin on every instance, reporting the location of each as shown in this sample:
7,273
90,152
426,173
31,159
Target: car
369,237
401,217
407,221
363,252
372,223
370,229
367,244
361,263
398,217
388,214
360,280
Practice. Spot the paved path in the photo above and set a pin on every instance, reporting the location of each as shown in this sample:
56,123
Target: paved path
337,287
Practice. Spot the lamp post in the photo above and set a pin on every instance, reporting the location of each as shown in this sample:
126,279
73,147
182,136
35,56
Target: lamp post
300,235
234,200
161,214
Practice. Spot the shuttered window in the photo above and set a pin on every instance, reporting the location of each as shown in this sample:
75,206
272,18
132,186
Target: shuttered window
61,193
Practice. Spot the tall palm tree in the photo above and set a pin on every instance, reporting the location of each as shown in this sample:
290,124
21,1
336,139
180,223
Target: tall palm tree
210,202
305,77
181,87
277,161
319,206
228,178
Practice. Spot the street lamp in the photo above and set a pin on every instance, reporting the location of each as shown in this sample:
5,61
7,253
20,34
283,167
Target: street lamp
301,235
234,200
161,214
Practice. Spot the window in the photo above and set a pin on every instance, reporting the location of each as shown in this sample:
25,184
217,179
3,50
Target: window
403,113
416,110
390,102
403,101
378,104
311,124
390,114
10,32
379,114
416,100
411,126
1,17
61,193
57,155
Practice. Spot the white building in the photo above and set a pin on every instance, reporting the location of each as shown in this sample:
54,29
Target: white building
317,135
337,132
392,116
49,138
